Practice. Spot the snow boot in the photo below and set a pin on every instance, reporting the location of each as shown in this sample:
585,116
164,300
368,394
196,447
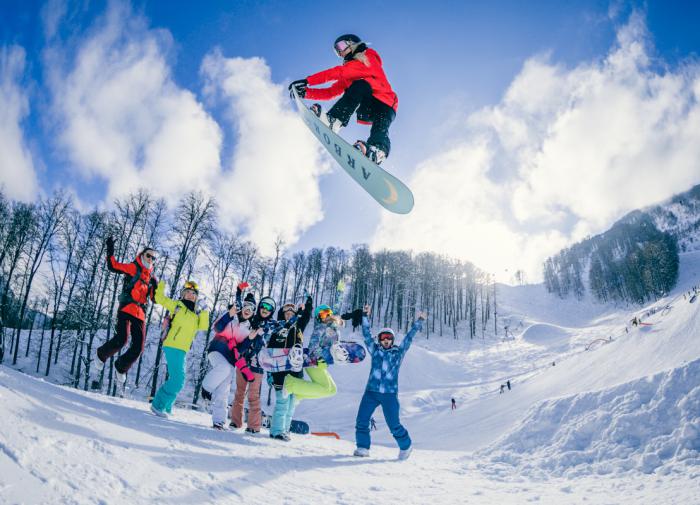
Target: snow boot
281,436
97,362
121,383
158,413
219,427
405,453
372,152
327,120
206,395
361,452
251,431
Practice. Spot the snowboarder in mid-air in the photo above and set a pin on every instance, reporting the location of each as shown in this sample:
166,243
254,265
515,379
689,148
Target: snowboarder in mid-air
364,87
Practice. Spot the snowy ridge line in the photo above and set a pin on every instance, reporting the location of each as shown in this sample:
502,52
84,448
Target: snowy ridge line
651,425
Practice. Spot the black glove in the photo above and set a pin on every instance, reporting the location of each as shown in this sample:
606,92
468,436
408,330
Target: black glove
110,246
299,86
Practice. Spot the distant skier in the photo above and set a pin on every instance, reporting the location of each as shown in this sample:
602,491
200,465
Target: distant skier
185,322
365,89
503,388
372,424
508,384
454,404
139,286
286,338
231,328
383,385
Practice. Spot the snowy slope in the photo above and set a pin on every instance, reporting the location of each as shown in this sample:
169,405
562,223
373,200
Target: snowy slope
619,423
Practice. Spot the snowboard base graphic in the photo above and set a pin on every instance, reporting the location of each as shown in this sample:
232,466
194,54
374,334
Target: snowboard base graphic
386,189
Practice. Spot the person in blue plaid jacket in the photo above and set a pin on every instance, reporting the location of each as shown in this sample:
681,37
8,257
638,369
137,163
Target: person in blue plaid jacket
383,385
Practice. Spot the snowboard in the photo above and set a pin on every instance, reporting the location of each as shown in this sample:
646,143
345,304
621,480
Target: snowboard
356,353
387,190
298,427
276,360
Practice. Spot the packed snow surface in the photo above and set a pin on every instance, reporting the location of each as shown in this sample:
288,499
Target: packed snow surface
600,411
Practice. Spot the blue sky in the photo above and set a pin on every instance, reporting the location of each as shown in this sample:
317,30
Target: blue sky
491,96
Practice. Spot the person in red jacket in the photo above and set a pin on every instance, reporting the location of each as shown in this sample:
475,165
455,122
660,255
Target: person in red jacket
364,87
139,286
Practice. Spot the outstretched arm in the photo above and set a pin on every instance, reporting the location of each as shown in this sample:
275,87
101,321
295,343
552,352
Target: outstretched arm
366,330
408,339
163,300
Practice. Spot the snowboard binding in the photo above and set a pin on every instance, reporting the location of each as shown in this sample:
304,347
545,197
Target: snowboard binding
372,152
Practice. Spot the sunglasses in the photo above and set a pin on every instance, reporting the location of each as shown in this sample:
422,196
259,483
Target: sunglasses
266,306
150,256
385,336
325,313
341,46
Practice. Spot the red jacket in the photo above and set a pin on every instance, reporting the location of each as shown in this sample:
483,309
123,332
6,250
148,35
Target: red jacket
344,75
142,290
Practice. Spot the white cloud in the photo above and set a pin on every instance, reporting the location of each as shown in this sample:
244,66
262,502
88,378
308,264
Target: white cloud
564,154
122,118
17,174
272,185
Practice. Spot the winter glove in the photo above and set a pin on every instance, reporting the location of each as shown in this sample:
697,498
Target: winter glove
299,86
243,286
110,246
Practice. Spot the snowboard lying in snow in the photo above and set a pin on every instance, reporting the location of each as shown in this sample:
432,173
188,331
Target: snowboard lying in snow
387,190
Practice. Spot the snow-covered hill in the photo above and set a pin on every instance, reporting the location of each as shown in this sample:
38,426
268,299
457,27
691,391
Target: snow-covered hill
600,411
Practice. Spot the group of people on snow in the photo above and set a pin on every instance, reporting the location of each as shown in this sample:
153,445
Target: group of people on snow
241,333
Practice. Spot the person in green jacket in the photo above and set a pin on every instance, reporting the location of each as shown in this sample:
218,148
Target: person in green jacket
185,322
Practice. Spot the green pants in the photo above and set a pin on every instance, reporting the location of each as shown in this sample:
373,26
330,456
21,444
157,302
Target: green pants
320,386
165,397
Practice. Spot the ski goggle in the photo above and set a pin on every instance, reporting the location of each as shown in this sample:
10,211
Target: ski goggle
341,46
289,308
385,336
248,307
150,256
266,306
322,314
191,285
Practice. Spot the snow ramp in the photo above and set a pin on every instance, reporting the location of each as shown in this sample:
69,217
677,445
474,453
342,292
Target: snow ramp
546,335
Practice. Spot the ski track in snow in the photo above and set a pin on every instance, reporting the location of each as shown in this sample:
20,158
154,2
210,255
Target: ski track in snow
618,423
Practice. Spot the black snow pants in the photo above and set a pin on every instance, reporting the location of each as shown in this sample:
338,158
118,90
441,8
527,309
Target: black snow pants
127,325
358,97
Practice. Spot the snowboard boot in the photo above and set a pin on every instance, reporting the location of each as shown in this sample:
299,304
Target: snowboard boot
405,453
251,431
339,353
206,395
219,426
281,436
372,152
234,426
158,413
97,362
121,383
334,124
361,452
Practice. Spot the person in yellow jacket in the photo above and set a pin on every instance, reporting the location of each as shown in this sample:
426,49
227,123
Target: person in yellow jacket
185,322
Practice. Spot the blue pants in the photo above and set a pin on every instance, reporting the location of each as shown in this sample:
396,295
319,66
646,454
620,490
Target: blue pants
390,407
282,415
165,397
